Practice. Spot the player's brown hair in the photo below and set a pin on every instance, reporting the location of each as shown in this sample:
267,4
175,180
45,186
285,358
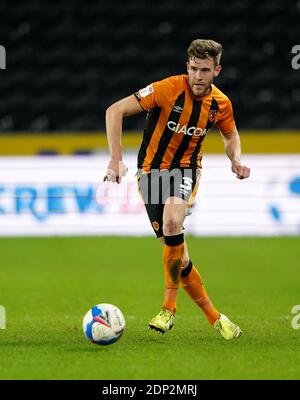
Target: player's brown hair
202,48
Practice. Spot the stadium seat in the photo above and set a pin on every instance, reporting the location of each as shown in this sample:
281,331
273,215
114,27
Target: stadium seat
67,61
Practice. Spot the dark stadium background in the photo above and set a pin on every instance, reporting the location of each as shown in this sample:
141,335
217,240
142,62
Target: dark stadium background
68,60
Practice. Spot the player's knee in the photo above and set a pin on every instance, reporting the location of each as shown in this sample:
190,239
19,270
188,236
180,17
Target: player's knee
185,261
172,226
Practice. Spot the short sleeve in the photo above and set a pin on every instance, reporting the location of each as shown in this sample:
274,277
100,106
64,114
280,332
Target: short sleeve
226,121
154,95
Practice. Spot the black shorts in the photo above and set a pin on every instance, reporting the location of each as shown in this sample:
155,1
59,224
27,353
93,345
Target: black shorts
157,186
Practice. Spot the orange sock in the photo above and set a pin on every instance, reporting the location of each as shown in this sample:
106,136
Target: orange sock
193,285
172,259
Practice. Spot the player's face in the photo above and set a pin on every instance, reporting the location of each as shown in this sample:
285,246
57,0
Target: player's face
201,73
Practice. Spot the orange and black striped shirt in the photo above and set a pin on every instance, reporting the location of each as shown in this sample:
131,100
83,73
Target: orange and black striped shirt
177,122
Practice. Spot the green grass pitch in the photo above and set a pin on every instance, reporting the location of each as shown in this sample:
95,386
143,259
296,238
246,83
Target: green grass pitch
47,285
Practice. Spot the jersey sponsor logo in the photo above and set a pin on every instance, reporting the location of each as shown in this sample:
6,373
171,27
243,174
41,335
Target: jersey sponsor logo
191,131
146,91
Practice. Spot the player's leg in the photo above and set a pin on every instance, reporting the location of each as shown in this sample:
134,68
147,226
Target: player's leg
173,249
192,283
174,186
164,320
191,280
186,258
173,255
186,273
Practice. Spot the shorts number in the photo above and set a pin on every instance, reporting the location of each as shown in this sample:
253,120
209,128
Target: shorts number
187,185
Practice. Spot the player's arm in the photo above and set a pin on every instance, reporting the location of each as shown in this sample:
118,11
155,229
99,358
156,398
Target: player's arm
114,121
232,145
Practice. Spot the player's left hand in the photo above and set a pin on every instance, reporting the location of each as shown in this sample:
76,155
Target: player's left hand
240,170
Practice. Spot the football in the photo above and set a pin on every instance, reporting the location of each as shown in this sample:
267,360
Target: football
103,324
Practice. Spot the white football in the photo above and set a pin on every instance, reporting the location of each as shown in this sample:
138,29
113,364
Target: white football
103,324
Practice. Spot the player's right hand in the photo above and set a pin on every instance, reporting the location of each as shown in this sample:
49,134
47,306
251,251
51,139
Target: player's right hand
240,170
116,169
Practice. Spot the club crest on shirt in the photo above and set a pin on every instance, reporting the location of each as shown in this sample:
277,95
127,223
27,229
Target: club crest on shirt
212,115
